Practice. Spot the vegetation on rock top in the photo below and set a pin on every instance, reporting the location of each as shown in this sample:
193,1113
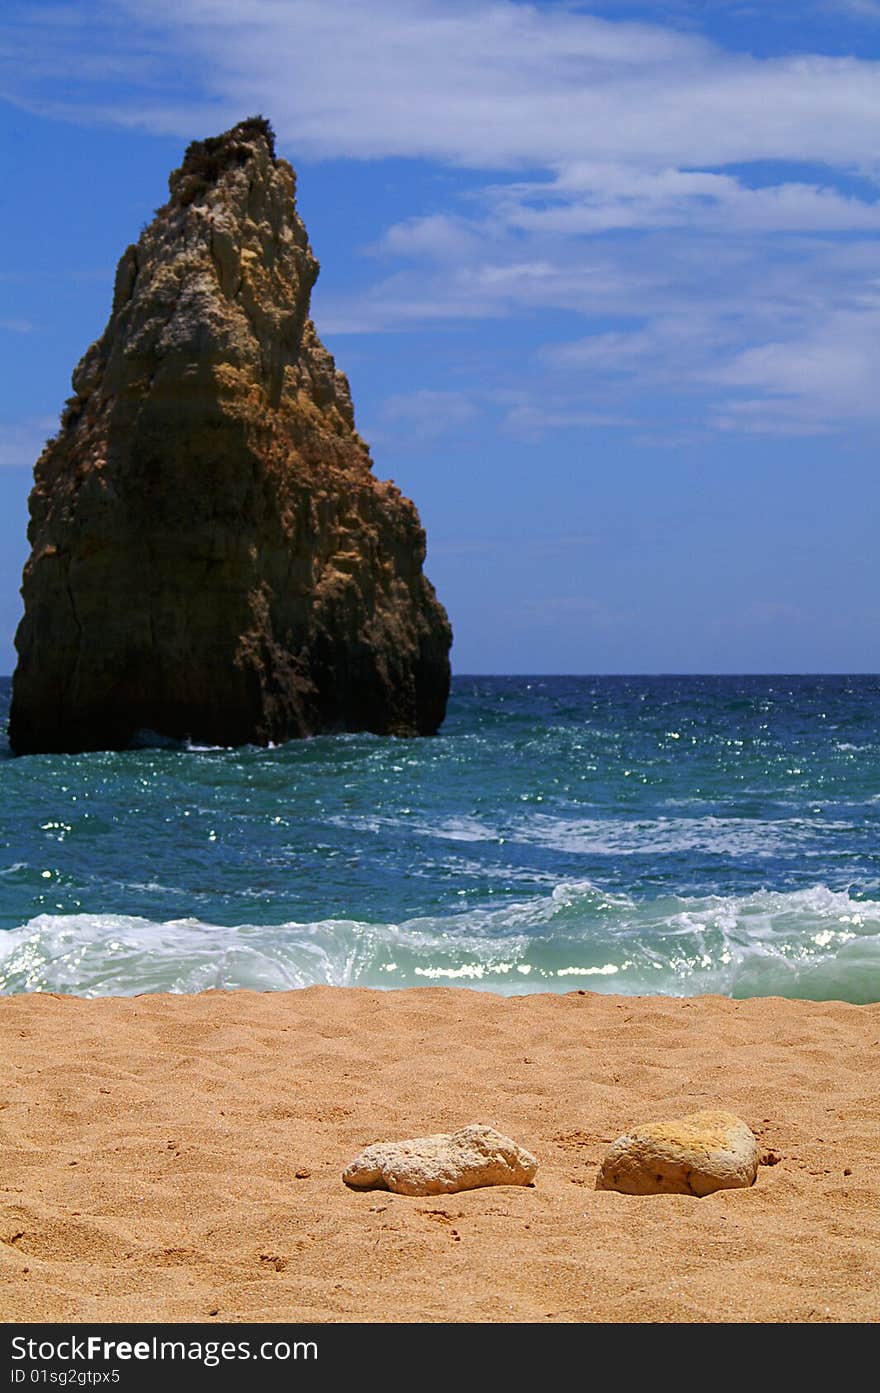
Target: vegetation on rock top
204,161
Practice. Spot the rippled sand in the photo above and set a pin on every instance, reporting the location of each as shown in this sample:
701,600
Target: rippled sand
179,1158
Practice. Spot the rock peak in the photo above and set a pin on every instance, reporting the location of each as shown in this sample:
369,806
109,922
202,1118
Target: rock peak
205,161
211,554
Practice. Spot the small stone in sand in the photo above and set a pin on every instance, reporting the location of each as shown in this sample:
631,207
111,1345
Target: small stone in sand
684,1156
442,1164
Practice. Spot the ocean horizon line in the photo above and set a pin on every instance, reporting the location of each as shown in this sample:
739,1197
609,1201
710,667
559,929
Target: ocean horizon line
593,676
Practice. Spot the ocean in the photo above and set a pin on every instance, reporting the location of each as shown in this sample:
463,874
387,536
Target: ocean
636,835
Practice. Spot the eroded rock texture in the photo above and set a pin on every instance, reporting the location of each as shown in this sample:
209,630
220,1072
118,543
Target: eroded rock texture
693,1155
442,1164
212,556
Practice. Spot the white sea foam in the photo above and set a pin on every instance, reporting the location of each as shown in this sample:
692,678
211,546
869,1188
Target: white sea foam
720,836
659,836
816,943
451,829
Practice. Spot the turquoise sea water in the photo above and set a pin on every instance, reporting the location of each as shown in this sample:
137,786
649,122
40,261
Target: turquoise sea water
633,835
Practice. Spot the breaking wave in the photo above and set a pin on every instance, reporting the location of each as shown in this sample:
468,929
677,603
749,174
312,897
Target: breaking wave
815,943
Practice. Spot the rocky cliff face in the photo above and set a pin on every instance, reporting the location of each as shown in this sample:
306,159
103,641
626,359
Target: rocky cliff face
212,556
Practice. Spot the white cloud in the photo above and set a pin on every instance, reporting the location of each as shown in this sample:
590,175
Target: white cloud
496,281
591,198
439,237
794,337
792,327
664,348
676,271
488,83
809,383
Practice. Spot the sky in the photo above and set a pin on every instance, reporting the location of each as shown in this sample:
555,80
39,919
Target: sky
605,280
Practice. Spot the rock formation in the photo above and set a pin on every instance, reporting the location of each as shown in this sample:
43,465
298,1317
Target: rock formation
212,556
442,1164
692,1155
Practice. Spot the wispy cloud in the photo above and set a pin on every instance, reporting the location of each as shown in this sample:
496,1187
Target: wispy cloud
499,279
856,9
21,442
574,611
707,218
533,420
440,236
428,415
489,83
777,339
810,383
599,197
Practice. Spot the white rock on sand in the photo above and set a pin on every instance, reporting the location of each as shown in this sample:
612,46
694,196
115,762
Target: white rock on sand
691,1155
439,1165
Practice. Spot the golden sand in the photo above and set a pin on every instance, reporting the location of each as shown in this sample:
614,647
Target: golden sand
180,1158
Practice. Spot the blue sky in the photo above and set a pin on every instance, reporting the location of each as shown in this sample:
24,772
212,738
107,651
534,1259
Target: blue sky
605,279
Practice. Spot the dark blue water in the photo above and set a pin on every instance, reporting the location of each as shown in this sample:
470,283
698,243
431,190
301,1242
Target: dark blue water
680,834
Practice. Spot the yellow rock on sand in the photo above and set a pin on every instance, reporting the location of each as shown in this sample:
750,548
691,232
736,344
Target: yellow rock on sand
691,1155
443,1163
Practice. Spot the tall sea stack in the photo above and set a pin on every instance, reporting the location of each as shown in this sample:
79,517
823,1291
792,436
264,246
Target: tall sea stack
212,556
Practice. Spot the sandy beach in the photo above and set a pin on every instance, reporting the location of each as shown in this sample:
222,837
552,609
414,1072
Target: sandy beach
179,1158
